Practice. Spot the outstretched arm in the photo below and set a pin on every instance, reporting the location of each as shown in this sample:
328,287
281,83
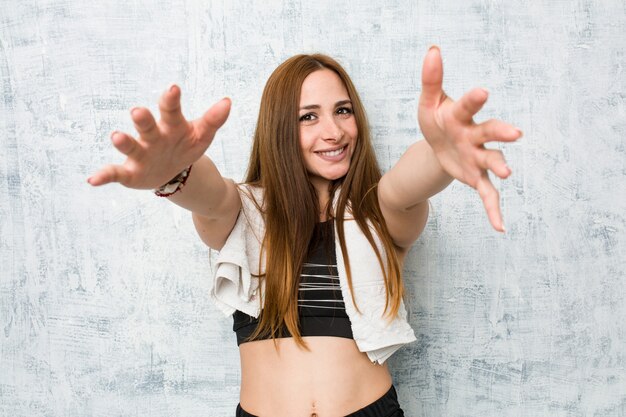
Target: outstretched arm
454,149
165,148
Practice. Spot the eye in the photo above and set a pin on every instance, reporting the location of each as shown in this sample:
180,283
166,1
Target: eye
309,117
344,111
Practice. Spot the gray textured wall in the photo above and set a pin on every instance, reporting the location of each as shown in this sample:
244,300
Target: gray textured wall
103,292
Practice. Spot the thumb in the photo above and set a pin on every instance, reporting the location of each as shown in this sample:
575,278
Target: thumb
432,78
214,118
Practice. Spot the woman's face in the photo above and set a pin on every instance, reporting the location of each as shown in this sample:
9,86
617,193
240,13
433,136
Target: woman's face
328,130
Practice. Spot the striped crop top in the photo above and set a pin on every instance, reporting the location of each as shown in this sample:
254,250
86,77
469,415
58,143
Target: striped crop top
321,308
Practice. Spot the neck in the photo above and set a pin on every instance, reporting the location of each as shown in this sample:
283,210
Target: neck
321,186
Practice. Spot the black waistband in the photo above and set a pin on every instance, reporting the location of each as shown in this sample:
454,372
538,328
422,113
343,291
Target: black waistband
385,406
244,325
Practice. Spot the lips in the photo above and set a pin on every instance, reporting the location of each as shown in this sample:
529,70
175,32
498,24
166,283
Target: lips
334,155
335,152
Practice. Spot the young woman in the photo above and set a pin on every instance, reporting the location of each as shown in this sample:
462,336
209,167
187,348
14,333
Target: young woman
313,242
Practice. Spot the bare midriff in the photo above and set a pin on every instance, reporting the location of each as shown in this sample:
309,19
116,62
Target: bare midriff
332,379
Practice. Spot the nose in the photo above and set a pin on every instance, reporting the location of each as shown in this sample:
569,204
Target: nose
330,129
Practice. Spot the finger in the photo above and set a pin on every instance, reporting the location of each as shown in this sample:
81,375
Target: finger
145,124
169,107
213,119
467,106
108,174
432,78
494,130
491,201
493,159
124,143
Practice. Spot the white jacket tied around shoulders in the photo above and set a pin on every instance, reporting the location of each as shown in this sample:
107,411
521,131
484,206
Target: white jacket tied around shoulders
235,286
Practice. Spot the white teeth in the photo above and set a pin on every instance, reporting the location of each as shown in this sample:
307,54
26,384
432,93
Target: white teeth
332,153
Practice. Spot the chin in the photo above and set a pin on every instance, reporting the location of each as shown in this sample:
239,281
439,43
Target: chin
335,176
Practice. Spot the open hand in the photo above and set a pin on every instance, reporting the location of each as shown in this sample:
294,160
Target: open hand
458,141
164,148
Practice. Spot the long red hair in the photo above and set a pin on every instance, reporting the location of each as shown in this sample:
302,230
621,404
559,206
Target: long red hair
290,205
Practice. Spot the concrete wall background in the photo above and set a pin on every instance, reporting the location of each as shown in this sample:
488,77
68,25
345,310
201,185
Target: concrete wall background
103,305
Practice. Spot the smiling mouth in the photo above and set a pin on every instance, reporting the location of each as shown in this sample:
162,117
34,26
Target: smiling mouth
333,153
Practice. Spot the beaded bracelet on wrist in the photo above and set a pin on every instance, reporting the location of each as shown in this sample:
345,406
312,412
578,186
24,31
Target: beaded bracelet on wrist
175,184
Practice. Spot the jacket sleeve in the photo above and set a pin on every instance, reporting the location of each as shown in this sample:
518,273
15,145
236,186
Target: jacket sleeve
235,286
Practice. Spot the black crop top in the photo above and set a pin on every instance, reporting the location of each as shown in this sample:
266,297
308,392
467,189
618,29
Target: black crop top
322,311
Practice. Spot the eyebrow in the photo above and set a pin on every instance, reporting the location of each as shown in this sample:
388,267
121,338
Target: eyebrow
317,106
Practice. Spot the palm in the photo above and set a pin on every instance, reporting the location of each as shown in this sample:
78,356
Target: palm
458,141
163,148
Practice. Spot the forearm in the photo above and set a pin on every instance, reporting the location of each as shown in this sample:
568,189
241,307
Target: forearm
416,177
206,192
